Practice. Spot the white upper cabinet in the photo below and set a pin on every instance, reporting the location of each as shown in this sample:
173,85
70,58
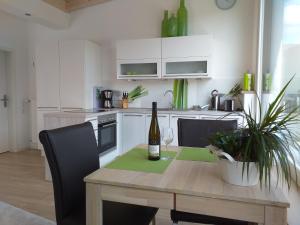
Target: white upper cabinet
186,57
47,75
80,69
139,49
176,57
186,46
139,59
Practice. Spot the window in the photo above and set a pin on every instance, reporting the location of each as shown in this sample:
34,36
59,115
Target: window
281,54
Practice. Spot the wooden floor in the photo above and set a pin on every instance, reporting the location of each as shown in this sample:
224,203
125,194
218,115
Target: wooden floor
23,185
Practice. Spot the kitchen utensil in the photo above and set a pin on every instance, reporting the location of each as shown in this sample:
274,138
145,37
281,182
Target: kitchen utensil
229,105
215,100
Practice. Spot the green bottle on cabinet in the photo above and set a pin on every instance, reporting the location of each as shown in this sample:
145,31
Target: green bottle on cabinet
172,26
164,24
182,16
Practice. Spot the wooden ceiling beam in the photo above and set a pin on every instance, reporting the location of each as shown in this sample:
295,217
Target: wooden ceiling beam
72,5
59,4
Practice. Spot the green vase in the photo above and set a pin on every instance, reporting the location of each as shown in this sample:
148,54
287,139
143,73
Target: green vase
172,26
182,15
164,24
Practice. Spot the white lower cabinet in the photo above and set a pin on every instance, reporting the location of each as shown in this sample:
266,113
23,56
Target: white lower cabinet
135,126
173,125
133,130
163,122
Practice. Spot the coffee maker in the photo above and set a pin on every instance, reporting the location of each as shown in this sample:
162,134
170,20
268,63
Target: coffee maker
106,99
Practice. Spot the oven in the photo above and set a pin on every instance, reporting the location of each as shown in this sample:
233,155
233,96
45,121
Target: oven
107,132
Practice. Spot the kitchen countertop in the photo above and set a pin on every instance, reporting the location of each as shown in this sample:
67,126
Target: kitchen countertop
139,111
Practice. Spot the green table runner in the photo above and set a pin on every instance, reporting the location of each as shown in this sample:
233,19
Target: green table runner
137,160
196,154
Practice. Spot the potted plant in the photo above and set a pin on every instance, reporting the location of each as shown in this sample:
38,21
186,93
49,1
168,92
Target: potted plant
249,154
135,94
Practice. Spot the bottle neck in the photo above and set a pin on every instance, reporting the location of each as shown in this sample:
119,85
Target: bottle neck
154,112
182,3
166,14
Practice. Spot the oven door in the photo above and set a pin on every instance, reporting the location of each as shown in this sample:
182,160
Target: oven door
107,136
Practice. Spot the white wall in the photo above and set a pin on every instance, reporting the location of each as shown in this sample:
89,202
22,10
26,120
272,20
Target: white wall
13,38
234,31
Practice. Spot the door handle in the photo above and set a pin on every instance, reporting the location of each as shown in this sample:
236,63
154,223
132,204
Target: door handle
4,100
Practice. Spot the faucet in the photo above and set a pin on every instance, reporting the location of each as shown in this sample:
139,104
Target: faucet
171,106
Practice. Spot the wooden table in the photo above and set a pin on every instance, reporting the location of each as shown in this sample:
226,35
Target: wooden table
188,186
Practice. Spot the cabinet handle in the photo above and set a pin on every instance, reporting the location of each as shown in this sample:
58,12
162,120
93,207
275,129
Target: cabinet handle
47,107
108,125
134,115
93,120
183,117
71,108
158,116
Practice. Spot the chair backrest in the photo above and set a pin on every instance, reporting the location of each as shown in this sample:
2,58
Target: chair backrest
196,133
72,154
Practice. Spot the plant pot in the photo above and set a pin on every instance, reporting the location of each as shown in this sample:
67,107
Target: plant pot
232,173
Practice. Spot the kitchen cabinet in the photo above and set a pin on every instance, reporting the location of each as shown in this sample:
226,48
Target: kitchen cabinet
165,58
80,72
133,130
163,122
46,62
139,49
186,46
186,57
139,59
173,124
66,74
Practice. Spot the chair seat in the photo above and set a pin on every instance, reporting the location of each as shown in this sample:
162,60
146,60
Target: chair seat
116,214
198,218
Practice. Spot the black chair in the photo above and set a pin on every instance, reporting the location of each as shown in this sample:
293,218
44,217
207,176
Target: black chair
72,154
196,133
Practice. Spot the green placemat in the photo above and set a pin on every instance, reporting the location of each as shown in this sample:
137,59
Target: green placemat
137,160
196,154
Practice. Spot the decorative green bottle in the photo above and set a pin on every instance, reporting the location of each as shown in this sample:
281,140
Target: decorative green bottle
164,24
172,26
182,15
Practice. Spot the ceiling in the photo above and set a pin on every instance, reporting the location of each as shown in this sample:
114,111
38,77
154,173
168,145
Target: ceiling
71,5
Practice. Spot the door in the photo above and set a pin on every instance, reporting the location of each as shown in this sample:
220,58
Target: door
133,130
173,125
3,105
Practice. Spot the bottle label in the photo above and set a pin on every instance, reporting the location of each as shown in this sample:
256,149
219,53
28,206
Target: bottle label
154,150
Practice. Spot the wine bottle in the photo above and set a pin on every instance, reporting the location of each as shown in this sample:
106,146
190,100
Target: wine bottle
154,136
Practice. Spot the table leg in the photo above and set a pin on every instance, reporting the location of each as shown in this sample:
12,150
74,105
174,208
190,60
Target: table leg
94,212
275,216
